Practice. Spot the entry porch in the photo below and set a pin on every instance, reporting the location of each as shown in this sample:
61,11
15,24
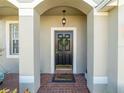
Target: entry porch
48,86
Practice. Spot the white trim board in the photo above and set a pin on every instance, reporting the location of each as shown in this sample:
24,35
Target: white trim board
53,29
100,80
26,79
35,3
26,12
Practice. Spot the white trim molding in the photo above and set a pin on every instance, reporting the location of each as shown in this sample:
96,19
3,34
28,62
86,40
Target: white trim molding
14,2
36,2
8,40
90,2
101,13
26,79
86,75
26,12
73,29
32,4
100,80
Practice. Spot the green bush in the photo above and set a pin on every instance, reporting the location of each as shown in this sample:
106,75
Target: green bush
8,91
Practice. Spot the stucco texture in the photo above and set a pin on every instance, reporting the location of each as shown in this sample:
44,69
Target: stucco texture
45,40
10,64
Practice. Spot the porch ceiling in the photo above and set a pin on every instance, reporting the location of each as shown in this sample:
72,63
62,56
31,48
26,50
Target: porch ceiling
58,11
7,9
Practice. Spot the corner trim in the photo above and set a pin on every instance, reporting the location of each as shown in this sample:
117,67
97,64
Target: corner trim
100,80
90,2
101,13
14,2
26,12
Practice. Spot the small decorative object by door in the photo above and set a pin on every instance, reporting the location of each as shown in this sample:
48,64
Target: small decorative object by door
27,91
64,41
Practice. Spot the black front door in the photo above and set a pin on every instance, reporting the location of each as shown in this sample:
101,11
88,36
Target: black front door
63,47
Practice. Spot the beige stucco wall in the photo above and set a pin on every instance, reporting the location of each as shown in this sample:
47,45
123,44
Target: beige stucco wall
26,46
112,51
90,59
10,64
47,22
100,52
36,50
45,40
100,45
97,50
121,47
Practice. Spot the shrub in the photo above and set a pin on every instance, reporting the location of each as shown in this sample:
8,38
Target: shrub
8,91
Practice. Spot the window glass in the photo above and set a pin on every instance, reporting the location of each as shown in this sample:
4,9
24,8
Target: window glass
14,39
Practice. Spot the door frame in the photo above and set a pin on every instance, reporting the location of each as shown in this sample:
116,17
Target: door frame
74,30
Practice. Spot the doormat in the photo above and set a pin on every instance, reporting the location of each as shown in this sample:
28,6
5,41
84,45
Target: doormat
63,78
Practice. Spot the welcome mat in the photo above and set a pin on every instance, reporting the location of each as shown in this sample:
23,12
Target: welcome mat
63,78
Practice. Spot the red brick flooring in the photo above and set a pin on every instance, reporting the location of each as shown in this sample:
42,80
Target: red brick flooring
11,82
47,86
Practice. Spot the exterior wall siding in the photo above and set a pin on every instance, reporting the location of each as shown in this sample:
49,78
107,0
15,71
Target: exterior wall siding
10,64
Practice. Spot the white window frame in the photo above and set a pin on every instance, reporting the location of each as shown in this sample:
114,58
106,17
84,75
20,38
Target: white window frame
8,40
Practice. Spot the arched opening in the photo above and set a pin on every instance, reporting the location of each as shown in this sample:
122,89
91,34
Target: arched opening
52,18
78,15
8,9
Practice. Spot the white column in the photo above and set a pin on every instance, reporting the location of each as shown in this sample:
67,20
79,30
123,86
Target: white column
90,40
29,22
120,47
97,48
112,50
100,52
116,49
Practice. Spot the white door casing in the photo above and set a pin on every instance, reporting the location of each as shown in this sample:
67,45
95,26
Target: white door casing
73,29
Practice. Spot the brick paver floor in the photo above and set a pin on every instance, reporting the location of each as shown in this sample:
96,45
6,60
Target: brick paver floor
11,82
47,86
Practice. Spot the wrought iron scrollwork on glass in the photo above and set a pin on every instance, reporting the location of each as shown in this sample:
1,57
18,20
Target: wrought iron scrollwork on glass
64,41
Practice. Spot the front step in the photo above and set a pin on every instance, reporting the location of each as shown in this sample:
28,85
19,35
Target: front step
63,66
63,69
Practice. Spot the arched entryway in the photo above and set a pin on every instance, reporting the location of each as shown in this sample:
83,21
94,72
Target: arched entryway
51,21
78,16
